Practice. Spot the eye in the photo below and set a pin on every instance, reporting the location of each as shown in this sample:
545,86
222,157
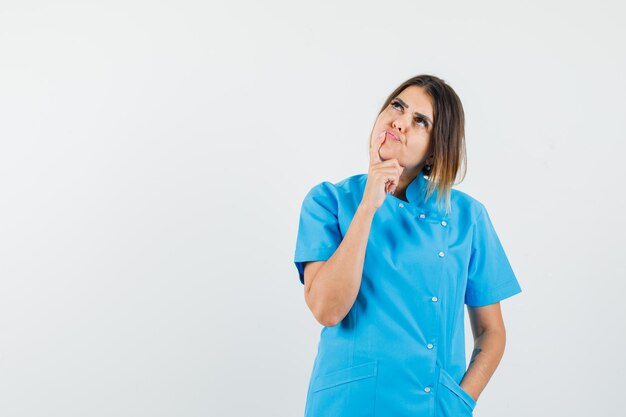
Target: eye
417,119
421,120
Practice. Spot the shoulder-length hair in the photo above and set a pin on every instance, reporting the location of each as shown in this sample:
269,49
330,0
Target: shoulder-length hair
447,141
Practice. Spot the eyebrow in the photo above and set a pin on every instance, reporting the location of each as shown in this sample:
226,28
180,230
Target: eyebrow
416,113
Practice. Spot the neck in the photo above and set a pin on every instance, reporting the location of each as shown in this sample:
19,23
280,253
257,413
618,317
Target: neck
406,178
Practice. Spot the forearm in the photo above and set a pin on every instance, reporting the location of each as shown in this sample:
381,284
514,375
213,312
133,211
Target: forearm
337,283
488,351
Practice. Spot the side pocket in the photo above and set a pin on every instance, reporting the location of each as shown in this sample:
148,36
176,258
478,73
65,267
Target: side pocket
346,392
452,399
345,375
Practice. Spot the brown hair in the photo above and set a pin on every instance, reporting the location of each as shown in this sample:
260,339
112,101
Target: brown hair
447,141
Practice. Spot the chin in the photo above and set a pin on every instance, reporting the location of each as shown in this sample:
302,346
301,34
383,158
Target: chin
389,155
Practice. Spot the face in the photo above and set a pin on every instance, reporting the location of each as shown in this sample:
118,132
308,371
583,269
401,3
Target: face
413,130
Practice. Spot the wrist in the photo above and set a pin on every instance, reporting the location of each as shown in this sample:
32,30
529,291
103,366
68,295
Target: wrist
366,209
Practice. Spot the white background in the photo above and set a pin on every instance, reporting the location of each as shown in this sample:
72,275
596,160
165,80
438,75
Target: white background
154,156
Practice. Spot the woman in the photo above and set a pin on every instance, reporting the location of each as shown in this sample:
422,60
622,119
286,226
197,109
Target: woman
387,270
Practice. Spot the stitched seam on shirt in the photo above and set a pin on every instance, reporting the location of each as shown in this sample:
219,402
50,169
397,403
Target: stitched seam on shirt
492,289
356,329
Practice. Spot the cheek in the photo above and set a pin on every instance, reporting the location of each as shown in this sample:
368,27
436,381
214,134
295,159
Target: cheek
419,142
384,117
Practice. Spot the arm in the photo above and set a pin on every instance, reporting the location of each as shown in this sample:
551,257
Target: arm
489,342
331,287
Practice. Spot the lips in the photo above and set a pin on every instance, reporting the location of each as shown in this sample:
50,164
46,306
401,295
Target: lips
392,135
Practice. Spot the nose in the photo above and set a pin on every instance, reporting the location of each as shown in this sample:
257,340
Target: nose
400,123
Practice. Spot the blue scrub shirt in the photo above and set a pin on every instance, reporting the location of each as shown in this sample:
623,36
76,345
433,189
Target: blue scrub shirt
400,350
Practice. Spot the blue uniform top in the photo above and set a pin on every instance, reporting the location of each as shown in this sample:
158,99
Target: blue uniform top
400,350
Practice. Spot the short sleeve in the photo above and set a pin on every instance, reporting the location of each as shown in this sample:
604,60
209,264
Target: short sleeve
490,276
318,230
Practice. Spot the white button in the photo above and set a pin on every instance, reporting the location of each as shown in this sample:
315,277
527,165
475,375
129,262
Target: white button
427,389
422,216
444,223
429,346
434,299
401,205
441,254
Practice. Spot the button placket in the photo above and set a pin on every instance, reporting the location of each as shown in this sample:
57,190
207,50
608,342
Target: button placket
445,234
430,346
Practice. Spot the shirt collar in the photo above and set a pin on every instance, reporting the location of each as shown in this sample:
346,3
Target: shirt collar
416,194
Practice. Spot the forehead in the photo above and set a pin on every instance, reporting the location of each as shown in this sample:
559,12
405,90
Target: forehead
418,100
